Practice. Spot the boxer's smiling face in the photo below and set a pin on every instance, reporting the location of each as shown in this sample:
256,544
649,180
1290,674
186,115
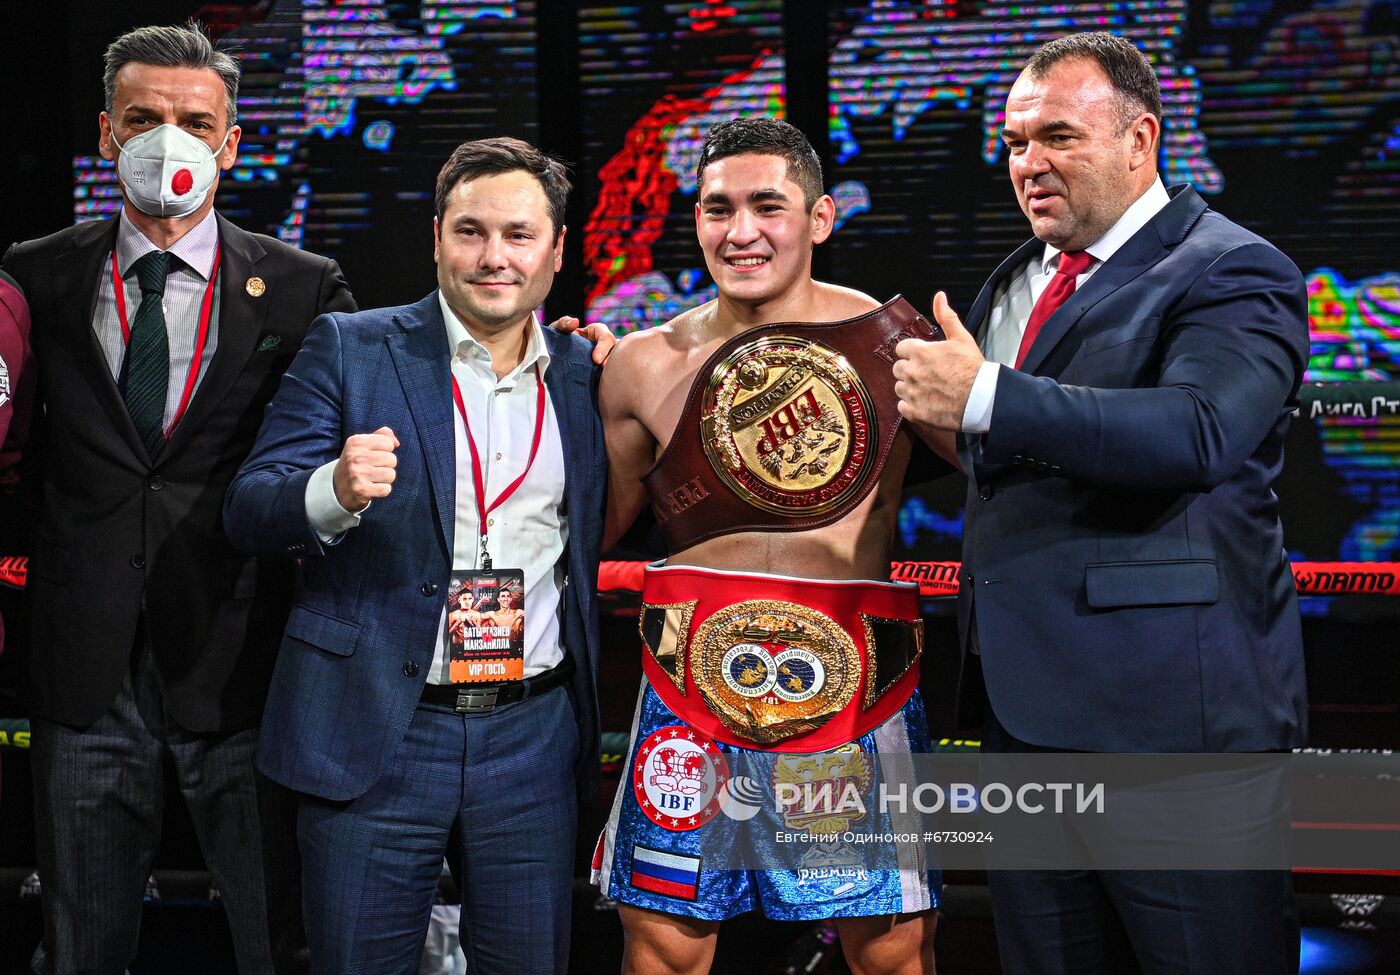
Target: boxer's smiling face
755,228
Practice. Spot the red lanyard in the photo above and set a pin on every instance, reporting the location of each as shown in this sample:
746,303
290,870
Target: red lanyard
201,337
478,480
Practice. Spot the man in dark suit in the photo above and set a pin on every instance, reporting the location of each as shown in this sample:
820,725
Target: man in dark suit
1125,585
414,455
160,336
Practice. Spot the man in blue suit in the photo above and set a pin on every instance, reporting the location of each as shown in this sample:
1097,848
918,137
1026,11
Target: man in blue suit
414,456
1120,405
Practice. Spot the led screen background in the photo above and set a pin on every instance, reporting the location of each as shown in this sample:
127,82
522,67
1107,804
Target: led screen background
1284,114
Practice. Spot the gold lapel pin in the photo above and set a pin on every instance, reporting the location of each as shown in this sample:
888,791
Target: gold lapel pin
255,287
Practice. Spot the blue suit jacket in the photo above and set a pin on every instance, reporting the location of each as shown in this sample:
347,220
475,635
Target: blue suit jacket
1122,548
361,634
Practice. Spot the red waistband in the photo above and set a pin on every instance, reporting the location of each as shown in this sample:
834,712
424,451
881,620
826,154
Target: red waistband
838,598
858,608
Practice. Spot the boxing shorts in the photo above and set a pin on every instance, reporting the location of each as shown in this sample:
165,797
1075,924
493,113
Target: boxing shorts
755,684
680,815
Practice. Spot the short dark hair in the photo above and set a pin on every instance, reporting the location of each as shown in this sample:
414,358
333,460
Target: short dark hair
491,157
763,136
186,46
1127,68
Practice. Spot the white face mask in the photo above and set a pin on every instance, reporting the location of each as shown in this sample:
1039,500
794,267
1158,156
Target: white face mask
166,171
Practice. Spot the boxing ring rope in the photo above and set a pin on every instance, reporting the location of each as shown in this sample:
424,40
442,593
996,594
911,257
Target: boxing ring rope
942,578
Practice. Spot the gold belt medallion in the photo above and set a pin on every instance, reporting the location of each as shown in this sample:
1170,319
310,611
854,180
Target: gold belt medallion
788,425
771,669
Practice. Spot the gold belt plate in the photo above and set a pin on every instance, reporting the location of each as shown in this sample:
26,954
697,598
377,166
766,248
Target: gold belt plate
771,669
789,426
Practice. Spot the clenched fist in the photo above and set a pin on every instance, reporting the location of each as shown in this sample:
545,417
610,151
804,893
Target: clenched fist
365,470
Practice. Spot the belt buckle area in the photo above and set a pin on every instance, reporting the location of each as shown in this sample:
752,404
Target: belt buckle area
476,700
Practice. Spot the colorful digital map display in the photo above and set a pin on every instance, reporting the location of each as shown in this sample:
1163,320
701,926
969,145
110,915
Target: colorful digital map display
1284,114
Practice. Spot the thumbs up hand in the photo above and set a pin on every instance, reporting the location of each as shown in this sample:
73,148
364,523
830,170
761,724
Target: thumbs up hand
934,379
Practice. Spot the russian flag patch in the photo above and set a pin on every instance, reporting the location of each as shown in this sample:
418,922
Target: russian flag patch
668,874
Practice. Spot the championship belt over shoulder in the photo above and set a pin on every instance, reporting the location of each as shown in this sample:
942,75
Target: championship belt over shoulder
786,428
776,663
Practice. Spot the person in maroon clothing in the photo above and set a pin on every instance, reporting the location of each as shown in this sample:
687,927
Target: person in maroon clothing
16,380
16,397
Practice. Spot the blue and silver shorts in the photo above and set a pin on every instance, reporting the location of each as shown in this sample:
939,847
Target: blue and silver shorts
686,801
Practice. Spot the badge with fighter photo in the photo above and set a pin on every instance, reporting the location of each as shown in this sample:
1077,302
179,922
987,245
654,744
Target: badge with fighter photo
486,626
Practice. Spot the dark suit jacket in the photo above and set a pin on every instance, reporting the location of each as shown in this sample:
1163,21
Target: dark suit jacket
361,637
116,530
1122,548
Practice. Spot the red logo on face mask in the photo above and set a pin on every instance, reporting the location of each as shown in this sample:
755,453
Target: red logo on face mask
182,182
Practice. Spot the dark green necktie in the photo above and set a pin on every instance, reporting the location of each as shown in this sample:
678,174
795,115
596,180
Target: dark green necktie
148,354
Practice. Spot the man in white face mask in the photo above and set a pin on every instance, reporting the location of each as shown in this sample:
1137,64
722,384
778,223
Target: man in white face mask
194,322
166,171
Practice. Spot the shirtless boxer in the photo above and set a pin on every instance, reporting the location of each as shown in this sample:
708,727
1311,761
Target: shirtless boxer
465,615
776,478
511,615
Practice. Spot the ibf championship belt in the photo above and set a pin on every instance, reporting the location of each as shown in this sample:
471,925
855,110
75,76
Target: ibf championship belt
786,428
777,663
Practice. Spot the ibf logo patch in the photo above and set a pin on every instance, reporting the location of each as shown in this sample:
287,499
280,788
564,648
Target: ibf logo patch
677,776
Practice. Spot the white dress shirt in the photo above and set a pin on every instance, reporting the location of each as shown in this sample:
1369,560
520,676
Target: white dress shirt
184,293
1017,295
530,529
